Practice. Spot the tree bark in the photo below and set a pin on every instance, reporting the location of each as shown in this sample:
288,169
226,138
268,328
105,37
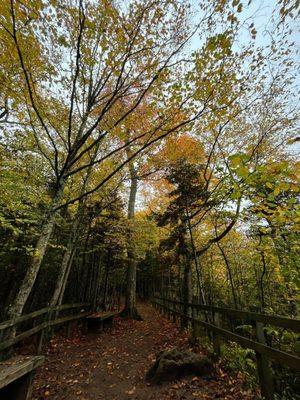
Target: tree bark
234,297
66,276
96,283
198,269
16,308
69,253
83,262
130,309
66,261
187,289
105,288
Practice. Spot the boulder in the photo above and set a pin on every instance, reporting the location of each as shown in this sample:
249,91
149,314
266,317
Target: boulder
173,364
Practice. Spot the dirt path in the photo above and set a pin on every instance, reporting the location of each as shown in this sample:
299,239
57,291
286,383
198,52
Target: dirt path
112,365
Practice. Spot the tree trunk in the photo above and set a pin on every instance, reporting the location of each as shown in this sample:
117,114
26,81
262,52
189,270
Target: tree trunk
130,294
198,269
16,308
106,272
68,255
187,289
66,276
66,261
130,309
83,262
96,283
261,281
229,274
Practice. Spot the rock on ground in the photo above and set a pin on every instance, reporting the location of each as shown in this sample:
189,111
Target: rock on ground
175,364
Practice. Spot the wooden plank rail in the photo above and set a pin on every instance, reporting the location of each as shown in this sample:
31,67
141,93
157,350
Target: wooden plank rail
263,351
16,374
48,321
27,317
17,367
275,320
10,342
16,377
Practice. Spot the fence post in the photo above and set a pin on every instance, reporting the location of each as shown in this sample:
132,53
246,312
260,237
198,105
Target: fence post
195,325
42,335
164,308
215,336
4,335
169,305
182,318
189,321
195,315
263,366
69,328
50,330
174,313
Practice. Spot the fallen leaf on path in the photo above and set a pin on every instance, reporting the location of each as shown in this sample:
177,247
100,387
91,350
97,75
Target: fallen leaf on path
131,391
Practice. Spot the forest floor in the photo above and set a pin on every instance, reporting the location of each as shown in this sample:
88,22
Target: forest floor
112,365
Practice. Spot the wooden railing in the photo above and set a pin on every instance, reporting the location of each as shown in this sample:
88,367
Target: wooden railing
38,322
213,324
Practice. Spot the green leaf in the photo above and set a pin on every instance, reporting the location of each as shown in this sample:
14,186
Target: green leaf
269,185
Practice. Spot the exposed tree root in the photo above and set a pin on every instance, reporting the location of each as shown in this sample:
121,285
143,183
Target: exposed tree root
131,313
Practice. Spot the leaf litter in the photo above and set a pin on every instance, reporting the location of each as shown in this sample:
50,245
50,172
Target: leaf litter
112,365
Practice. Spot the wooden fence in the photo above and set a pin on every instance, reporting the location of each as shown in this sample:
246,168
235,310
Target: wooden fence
38,322
213,324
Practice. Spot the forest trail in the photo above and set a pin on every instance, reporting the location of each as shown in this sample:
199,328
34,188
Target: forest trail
112,365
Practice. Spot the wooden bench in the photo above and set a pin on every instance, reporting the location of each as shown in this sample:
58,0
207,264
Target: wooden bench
98,322
16,377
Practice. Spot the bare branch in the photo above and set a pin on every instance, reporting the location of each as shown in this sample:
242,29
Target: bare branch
28,84
223,233
79,39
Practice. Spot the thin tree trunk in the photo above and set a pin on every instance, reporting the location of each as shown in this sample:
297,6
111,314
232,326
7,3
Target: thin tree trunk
261,281
187,288
229,274
130,309
92,278
96,283
83,262
261,278
16,308
66,276
104,301
66,261
198,269
88,258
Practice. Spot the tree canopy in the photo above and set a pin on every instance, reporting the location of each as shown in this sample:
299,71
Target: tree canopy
149,146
